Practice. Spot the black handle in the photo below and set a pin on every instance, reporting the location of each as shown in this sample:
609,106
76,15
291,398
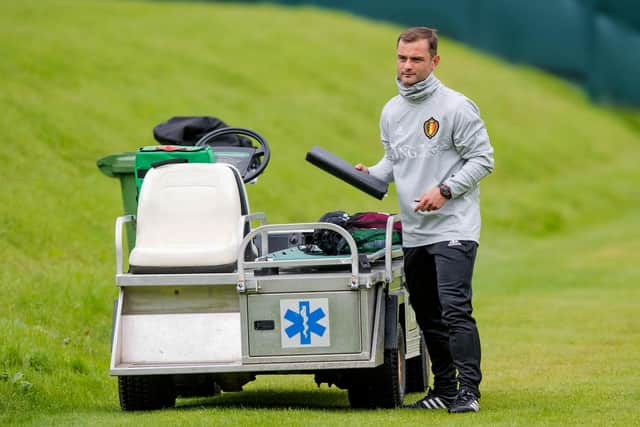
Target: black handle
168,162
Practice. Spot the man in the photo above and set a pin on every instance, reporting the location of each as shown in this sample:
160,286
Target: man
437,150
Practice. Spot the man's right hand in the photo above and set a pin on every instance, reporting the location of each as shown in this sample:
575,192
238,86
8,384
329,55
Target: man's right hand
362,168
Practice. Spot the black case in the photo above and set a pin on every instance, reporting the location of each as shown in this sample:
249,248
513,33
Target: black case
339,168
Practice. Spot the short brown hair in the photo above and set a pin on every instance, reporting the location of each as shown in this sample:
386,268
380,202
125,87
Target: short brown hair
421,33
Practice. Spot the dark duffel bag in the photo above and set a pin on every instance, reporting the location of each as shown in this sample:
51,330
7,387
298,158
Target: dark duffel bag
188,130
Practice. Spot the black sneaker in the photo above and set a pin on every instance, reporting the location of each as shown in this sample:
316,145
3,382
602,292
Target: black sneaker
432,400
465,401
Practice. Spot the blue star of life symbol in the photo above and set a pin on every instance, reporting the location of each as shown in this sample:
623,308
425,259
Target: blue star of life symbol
305,323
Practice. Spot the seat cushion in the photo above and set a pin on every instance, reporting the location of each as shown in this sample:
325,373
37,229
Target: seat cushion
189,215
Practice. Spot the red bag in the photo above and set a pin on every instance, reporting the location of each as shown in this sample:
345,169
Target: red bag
372,220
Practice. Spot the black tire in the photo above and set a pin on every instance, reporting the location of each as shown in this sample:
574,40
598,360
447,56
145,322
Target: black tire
146,392
384,386
418,370
393,375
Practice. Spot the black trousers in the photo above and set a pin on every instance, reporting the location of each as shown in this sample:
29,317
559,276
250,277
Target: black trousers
439,282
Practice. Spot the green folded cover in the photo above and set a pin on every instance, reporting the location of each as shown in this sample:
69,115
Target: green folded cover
159,155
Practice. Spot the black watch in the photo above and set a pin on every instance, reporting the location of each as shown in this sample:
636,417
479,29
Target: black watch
445,191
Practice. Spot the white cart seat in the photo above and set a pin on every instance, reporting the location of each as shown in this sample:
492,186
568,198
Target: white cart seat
189,219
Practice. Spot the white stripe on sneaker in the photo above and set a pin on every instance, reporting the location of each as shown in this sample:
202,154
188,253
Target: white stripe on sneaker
433,403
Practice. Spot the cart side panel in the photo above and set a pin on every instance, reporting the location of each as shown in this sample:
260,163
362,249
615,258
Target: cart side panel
181,338
407,317
179,324
304,323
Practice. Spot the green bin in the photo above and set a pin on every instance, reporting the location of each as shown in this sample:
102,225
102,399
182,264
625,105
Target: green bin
122,166
153,155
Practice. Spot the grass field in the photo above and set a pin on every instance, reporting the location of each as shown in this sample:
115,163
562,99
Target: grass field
556,286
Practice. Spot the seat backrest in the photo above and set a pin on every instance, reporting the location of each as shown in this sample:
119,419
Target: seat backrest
189,217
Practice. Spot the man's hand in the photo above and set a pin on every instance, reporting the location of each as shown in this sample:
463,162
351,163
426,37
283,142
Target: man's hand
362,168
430,200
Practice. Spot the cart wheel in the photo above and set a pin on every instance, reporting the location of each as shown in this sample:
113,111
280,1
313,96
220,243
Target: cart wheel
384,386
418,370
392,375
146,392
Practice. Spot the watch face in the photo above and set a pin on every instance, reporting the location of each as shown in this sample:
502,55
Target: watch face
445,191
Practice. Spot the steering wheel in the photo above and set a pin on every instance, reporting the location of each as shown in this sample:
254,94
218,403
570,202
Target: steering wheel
258,157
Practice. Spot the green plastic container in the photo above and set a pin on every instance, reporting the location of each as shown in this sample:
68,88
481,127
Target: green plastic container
121,166
154,155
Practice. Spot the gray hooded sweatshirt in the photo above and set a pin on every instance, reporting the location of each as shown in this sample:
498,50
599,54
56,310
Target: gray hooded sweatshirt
431,135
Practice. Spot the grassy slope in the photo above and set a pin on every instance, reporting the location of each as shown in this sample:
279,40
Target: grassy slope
556,293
